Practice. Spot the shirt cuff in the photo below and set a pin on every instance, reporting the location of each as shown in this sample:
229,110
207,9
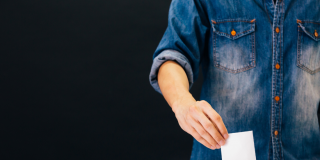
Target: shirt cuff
165,56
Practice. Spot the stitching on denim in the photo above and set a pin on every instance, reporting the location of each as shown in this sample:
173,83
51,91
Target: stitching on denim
281,89
281,76
249,66
236,34
299,55
308,70
278,74
267,11
308,21
298,48
274,88
214,50
234,71
227,69
272,95
224,21
251,41
310,34
253,49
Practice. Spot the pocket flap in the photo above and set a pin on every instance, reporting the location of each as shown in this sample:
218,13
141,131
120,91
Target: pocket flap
311,28
233,28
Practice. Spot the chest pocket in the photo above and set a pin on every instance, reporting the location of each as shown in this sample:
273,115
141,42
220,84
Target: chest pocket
234,44
308,56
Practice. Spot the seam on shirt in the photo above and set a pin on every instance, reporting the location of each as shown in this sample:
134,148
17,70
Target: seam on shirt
224,21
308,21
267,12
247,67
299,53
236,34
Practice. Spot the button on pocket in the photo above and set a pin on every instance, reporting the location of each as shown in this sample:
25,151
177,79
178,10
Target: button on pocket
234,44
308,51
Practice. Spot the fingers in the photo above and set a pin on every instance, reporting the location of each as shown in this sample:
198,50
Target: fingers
210,128
207,129
204,124
215,118
189,129
200,139
203,132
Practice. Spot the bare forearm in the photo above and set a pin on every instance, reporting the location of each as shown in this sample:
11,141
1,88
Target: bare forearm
197,118
174,84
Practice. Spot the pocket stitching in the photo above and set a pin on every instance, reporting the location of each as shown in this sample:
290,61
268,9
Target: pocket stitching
249,66
299,54
307,32
234,35
231,20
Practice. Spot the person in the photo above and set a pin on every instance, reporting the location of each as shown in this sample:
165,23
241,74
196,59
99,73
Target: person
260,62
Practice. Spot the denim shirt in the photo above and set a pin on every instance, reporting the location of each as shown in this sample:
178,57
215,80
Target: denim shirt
261,68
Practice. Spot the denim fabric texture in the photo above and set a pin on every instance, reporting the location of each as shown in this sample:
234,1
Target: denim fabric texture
261,66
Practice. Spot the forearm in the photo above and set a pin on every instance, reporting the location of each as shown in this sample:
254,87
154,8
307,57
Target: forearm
174,84
197,118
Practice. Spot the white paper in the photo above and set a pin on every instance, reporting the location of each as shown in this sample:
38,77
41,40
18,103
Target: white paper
239,146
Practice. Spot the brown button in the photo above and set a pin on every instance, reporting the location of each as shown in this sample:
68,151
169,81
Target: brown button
277,30
277,98
233,32
316,33
276,133
277,66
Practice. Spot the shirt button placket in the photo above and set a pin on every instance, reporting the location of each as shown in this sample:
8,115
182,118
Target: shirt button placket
277,80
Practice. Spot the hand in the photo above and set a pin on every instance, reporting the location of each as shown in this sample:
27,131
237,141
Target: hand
201,121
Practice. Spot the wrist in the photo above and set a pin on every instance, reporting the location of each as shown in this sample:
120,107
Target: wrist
183,100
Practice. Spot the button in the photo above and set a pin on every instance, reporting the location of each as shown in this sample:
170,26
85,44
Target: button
316,33
233,32
276,133
277,30
277,66
277,98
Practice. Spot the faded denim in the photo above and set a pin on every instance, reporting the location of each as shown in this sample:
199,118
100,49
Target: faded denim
240,77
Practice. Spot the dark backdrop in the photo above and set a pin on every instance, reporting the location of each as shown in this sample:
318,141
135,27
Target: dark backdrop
74,81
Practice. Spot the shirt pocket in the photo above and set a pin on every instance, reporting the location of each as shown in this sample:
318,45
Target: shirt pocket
308,50
234,44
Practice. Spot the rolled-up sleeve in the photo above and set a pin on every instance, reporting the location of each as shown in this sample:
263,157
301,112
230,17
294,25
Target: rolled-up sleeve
184,40
165,56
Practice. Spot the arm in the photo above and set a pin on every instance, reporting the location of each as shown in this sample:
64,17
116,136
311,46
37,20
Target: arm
197,118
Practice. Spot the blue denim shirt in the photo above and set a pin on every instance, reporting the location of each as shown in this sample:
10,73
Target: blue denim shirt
261,68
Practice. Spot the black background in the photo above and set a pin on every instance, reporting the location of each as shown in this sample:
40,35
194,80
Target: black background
74,81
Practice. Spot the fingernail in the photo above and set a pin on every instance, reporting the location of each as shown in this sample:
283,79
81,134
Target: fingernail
218,146
225,136
222,142
212,147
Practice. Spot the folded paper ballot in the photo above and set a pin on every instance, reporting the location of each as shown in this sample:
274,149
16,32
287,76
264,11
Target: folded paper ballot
239,146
